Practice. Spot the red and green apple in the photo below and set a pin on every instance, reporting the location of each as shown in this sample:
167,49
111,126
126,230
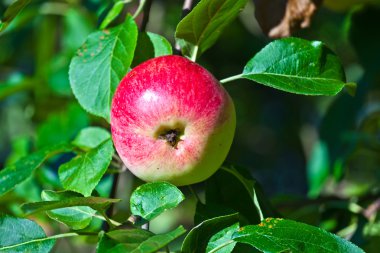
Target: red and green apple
172,121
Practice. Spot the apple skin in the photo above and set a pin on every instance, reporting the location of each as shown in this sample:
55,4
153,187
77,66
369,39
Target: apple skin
165,94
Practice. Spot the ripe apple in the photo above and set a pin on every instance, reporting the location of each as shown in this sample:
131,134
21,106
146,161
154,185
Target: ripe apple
172,121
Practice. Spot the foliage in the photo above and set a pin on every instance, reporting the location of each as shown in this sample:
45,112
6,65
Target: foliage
316,157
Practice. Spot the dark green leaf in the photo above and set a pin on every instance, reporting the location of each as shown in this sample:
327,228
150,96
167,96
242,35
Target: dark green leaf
62,126
223,237
157,242
318,168
150,45
204,24
18,172
122,240
297,66
104,243
130,235
12,11
151,199
91,137
279,235
22,235
100,64
112,14
136,241
97,203
198,238
76,217
84,172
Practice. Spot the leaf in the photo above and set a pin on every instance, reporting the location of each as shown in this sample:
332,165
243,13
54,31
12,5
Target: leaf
136,241
12,11
135,235
318,168
18,172
281,20
150,45
223,236
84,172
297,66
91,137
76,217
22,235
157,242
151,199
100,64
204,24
62,126
97,203
198,238
112,14
279,235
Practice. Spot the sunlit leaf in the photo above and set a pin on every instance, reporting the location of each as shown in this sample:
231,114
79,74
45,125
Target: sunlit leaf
280,235
22,235
204,24
198,238
151,199
297,66
100,64
84,172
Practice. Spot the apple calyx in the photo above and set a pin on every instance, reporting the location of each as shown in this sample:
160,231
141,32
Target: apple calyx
171,135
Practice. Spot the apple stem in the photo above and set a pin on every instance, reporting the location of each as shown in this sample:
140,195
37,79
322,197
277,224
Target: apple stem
231,78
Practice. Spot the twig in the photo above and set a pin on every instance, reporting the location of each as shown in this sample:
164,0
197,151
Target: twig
186,8
146,12
372,209
113,193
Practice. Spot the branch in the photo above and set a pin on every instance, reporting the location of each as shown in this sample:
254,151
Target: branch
146,12
186,8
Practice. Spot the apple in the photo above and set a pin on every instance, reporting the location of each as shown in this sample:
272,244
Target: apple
171,120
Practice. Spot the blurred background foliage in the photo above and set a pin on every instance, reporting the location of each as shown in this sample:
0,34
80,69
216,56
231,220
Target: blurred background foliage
316,158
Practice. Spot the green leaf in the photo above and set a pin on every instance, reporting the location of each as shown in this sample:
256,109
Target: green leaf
100,64
97,203
297,66
204,24
279,235
18,172
198,238
136,241
12,11
62,126
84,172
249,185
135,235
22,235
157,242
112,14
76,217
151,244
318,168
223,237
151,199
150,45
91,137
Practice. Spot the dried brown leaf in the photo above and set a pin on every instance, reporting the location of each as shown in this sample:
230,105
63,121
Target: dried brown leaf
280,18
